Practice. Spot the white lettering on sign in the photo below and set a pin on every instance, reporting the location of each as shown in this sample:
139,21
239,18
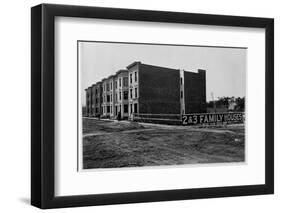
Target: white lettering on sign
207,118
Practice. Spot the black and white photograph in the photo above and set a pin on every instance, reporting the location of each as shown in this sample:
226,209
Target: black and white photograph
146,104
151,104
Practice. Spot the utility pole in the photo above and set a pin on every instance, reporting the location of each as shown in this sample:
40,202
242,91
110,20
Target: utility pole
214,103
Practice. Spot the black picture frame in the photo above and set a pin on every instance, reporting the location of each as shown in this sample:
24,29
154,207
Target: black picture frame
43,102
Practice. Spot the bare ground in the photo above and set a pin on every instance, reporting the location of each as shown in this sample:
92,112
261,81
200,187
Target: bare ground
111,144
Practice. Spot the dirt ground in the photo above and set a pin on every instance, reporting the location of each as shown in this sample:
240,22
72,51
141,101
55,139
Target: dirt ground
111,144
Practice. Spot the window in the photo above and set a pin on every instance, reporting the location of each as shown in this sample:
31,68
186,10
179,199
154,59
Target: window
119,82
131,81
136,76
131,108
135,108
97,101
120,98
108,109
107,87
181,81
116,97
108,98
125,108
125,81
181,94
131,93
125,94
111,86
136,92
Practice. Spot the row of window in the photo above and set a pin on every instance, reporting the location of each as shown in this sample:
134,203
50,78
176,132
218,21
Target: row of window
108,109
131,77
125,82
96,91
109,86
108,98
136,93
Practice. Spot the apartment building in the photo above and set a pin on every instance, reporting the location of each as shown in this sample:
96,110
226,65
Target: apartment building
148,89
121,94
133,75
88,101
109,95
92,99
96,92
105,97
153,89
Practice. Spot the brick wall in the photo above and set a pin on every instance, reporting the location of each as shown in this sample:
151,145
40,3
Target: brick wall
195,92
159,90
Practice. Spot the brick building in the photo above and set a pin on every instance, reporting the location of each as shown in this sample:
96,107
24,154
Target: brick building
88,101
121,93
96,92
147,89
105,97
194,87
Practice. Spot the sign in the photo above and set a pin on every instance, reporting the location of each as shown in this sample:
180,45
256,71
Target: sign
212,118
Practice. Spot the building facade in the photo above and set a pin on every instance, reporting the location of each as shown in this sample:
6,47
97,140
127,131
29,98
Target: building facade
147,89
93,97
88,101
153,89
121,94
96,92
109,96
105,98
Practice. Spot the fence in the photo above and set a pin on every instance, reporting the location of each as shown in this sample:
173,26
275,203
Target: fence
191,119
158,118
213,118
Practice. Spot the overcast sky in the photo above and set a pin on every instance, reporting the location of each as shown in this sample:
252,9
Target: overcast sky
225,67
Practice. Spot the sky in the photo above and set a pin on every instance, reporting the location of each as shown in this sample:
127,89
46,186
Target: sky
225,67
